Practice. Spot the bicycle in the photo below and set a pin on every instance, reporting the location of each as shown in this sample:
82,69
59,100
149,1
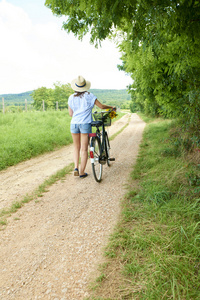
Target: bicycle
100,145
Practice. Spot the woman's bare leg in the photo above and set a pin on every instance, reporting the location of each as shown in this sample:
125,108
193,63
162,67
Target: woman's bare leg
77,146
84,152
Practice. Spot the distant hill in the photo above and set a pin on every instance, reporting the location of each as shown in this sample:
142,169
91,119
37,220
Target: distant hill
118,95
12,99
112,97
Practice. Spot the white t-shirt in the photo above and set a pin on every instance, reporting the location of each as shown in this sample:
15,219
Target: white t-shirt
82,108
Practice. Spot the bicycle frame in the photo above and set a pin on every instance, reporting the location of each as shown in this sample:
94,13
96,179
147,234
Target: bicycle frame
102,136
99,147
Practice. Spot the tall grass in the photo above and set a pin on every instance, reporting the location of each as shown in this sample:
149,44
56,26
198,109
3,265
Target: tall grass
25,135
156,246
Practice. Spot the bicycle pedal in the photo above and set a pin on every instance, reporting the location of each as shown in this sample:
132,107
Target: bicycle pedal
111,159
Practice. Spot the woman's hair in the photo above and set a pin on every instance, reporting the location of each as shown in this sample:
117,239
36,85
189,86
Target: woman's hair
80,94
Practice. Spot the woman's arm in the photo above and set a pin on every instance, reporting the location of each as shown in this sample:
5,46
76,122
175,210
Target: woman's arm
70,111
103,106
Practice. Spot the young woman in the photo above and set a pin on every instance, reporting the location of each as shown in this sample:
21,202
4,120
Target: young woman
80,106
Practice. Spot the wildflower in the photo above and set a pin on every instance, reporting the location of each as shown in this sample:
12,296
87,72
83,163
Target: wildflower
113,114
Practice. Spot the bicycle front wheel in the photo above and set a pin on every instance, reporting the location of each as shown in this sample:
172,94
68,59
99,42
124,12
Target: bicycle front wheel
107,148
97,168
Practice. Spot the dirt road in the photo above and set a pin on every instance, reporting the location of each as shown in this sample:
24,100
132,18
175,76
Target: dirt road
51,246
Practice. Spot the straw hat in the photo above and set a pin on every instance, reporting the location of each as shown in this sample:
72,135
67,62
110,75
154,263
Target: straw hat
80,84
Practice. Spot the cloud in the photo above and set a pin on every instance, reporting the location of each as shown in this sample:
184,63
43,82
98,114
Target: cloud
39,54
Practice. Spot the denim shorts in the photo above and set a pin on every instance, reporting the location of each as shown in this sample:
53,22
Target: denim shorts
81,128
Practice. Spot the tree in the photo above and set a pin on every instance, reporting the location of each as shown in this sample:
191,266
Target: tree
97,17
160,45
137,18
39,95
60,94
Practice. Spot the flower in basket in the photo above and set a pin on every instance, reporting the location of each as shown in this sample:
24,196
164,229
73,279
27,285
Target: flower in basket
113,114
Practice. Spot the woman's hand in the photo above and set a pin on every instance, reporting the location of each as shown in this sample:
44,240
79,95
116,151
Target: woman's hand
70,111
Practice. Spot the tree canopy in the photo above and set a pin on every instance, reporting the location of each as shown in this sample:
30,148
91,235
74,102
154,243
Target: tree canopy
159,42
60,94
136,17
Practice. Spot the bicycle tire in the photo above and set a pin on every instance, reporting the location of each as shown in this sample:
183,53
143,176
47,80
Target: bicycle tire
97,168
107,148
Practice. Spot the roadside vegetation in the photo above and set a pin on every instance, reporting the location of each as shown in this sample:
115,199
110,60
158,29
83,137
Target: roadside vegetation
26,135
154,252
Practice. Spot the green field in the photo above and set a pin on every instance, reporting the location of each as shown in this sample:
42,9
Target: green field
25,135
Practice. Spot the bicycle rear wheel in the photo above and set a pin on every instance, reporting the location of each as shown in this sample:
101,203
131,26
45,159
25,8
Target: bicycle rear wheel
97,168
107,148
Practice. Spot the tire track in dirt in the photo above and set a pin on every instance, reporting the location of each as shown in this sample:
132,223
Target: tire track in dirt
50,247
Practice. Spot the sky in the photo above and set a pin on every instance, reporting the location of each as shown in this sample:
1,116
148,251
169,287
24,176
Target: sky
35,51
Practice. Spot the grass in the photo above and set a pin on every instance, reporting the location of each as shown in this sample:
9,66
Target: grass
43,188
147,119
154,252
25,135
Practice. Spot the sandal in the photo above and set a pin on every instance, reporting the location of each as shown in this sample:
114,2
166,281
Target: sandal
84,175
76,172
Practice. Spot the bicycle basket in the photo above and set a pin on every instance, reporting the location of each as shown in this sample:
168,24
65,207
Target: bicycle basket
102,116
